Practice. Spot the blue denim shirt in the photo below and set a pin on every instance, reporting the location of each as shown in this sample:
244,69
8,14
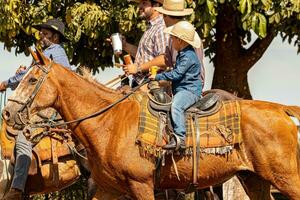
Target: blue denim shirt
56,52
186,73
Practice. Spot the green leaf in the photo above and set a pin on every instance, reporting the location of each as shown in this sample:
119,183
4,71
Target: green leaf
277,18
211,7
254,23
262,26
245,25
296,5
243,5
78,35
249,6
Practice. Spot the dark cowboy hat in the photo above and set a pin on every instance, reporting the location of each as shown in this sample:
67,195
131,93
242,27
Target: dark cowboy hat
55,25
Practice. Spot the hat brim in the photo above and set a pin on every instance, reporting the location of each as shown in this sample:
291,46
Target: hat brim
47,26
185,12
195,43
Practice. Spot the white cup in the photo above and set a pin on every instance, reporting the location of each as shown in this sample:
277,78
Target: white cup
116,43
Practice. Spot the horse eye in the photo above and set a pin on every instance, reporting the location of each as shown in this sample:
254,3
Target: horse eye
33,80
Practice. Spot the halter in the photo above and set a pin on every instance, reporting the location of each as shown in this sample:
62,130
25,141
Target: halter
26,105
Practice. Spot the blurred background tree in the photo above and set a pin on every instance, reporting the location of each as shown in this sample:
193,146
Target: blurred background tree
226,27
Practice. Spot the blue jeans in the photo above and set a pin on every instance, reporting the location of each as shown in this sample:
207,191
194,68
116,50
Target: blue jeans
23,154
182,100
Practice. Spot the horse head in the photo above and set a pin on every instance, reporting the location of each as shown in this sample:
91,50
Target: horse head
35,92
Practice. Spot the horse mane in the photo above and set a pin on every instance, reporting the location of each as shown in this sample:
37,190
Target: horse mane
86,74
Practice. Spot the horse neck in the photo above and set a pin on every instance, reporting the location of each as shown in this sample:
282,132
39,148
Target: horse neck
79,97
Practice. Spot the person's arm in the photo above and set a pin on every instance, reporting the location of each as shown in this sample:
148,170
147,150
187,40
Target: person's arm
158,61
14,81
130,48
177,73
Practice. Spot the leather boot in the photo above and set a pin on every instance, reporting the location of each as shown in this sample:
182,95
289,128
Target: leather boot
13,194
172,145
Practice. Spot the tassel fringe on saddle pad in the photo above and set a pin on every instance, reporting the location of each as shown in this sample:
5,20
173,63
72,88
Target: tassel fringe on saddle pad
219,132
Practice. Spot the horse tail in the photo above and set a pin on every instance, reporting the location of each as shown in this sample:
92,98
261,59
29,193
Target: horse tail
294,111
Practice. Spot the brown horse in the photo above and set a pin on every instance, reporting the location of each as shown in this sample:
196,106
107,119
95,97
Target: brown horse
268,154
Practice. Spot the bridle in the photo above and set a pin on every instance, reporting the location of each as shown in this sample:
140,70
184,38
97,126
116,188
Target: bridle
26,105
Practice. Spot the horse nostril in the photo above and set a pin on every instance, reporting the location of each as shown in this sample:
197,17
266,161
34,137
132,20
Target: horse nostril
6,115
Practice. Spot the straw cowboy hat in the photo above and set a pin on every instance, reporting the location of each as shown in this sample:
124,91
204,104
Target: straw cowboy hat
55,25
186,32
138,1
174,8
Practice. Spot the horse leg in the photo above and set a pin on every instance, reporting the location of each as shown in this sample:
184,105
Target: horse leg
103,195
91,188
141,191
289,187
255,187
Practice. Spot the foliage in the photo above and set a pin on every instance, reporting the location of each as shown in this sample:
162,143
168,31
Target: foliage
260,16
90,22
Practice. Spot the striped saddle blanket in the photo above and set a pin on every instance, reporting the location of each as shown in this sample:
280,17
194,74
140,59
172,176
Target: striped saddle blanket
221,129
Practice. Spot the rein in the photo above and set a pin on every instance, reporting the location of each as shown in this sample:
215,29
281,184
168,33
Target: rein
98,112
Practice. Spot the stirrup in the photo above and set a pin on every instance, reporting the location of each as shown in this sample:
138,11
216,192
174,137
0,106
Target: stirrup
177,139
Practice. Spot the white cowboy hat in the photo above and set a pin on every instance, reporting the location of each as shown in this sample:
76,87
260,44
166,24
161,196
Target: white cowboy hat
174,8
186,32
138,1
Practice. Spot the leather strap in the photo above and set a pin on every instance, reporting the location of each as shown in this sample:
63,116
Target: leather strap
162,124
55,162
195,170
197,140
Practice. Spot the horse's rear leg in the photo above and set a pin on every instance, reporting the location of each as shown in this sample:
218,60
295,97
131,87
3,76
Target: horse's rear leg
255,187
141,191
290,187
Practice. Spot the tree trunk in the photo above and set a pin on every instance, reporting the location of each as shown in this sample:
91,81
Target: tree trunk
232,61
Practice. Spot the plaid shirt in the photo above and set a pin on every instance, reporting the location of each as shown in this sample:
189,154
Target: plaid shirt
152,44
171,55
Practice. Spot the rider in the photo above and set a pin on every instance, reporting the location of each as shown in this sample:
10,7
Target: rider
186,85
51,37
153,42
173,11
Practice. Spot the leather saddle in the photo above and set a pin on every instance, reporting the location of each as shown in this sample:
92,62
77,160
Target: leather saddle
49,148
207,105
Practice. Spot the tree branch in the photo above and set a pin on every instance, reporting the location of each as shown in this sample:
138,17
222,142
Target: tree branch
257,50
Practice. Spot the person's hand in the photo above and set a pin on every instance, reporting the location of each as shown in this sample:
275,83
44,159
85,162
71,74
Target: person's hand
130,69
152,77
123,39
20,69
3,87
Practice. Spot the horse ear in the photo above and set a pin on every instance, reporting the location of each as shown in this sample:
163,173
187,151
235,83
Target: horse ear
42,58
34,55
